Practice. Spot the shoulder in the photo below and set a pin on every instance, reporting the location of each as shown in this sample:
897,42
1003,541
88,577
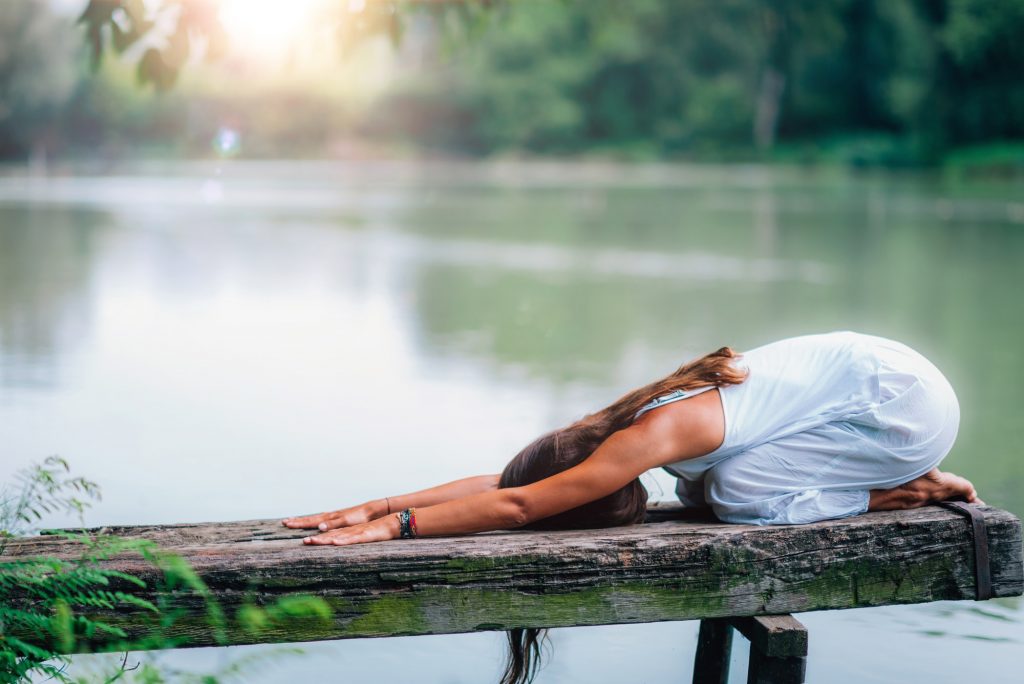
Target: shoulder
683,429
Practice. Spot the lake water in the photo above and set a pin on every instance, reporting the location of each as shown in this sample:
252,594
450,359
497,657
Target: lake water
238,340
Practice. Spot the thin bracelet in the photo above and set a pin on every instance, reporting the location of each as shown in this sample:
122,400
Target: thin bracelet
387,500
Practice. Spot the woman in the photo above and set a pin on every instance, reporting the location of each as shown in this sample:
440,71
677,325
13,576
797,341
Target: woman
805,429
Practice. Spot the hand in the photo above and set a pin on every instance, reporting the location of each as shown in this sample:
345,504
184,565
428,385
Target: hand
344,517
382,529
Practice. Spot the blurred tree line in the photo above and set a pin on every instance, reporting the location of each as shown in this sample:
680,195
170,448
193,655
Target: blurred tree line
894,81
887,82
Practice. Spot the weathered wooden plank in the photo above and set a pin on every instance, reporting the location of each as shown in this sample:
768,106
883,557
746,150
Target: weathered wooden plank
669,570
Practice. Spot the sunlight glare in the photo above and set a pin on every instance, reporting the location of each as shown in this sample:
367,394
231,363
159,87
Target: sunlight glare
264,27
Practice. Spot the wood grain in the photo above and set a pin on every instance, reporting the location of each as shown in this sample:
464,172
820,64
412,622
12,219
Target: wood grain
671,569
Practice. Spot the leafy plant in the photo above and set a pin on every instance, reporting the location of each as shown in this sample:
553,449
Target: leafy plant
42,489
49,605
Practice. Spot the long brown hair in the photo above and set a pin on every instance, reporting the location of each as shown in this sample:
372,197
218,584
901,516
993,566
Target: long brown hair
564,448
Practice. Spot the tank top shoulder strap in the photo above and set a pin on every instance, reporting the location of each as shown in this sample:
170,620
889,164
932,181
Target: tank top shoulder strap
676,395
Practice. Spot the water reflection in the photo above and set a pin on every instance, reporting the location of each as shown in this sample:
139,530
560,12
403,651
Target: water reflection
46,304
323,334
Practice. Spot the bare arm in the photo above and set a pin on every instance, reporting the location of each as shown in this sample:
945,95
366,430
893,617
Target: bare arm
620,459
372,510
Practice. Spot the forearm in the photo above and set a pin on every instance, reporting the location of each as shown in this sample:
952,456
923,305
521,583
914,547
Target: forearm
500,509
620,459
434,495
489,510
378,508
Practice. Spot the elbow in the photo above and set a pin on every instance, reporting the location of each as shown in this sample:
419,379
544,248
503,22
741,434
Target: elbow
515,508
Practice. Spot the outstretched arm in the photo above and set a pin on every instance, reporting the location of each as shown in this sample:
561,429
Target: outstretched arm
378,508
620,459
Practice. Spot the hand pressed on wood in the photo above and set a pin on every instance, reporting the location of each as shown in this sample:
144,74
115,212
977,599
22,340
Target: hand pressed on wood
382,529
331,520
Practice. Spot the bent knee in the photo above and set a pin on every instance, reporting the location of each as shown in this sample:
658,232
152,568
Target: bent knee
732,497
740,500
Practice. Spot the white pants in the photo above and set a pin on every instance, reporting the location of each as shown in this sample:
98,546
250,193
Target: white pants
827,472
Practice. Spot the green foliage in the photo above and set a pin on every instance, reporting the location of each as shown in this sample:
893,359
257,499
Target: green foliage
183,27
124,25
50,607
42,489
44,607
43,601
38,72
863,82
903,83
255,619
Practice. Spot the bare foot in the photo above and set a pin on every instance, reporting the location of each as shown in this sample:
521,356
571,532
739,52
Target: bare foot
931,487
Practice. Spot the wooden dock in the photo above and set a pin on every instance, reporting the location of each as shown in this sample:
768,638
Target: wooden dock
669,568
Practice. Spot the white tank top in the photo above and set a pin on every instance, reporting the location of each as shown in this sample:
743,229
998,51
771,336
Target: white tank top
792,385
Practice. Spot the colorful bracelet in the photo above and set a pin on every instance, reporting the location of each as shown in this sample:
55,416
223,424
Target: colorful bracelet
407,523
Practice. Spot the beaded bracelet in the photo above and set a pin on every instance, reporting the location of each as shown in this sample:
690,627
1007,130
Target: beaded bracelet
407,523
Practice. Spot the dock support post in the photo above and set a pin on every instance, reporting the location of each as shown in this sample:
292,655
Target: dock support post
714,648
778,649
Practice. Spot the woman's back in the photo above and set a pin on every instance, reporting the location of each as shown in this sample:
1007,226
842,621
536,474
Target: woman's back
800,383
796,384
832,412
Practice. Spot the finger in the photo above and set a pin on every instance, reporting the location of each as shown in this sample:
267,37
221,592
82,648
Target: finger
333,536
309,521
321,539
303,522
362,537
333,523
360,534
350,539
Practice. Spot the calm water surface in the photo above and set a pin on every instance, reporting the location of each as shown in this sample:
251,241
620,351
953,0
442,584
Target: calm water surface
213,342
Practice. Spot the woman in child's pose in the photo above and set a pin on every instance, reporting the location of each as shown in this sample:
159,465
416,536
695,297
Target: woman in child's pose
804,429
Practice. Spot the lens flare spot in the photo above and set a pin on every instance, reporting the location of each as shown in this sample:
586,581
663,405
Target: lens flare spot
227,142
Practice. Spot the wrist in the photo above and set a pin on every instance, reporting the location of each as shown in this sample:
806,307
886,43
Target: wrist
377,508
407,528
392,525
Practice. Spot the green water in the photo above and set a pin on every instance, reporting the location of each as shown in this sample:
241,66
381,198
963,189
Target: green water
235,341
